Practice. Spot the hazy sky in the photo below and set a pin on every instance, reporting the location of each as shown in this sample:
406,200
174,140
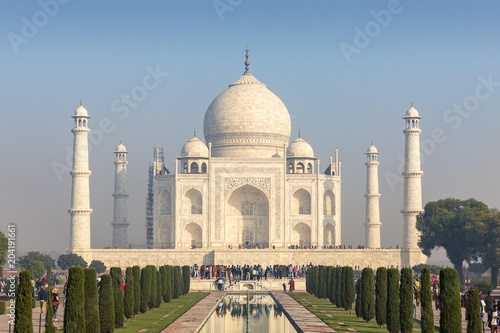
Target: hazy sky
346,70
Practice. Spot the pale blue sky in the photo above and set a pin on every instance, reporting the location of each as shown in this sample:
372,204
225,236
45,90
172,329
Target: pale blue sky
436,54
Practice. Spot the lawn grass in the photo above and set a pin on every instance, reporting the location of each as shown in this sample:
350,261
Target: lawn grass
155,320
337,318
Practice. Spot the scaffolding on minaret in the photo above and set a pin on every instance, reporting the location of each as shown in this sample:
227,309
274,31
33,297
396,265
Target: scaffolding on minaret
156,168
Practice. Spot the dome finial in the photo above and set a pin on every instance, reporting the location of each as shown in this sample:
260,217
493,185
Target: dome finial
81,102
195,132
299,133
411,103
247,63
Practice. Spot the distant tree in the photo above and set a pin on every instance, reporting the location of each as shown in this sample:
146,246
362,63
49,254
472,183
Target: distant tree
69,260
177,288
49,324
450,224
47,260
406,300
322,282
450,319
74,309
24,312
92,320
433,269
49,275
427,313
393,300
350,293
137,289
486,234
106,305
186,279
128,297
146,275
36,268
116,280
477,267
381,296
4,246
98,266
368,294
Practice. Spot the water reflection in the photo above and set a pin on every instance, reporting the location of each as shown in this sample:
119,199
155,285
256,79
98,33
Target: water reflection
240,313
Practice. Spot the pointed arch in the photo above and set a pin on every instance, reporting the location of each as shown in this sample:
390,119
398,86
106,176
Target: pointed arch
204,168
329,203
193,235
165,203
301,235
194,167
301,203
309,168
300,167
329,234
194,201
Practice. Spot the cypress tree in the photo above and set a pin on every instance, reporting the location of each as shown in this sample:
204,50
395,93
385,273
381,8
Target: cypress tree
368,294
473,312
137,289
343,288
450,320
24,312
350,293
426,311
106,305
328,281
145,289
128,296
381,296
406,300
308,281
321,282
163,278
159,295
154,289
49,325
338,287
116,280
315,280
332,285
74,310
169,289
393,300
186,279
176,282
91,303
49,275
359,299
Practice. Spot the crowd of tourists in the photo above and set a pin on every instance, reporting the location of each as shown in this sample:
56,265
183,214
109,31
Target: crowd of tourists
236,273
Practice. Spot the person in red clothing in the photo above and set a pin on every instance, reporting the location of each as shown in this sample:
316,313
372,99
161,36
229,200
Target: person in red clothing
123,286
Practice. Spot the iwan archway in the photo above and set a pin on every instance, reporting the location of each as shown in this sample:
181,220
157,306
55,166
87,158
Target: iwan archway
247,218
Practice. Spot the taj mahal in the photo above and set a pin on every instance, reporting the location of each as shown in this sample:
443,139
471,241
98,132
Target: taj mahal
248,193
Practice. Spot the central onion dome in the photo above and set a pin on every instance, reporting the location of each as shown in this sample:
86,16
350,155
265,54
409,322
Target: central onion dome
247,120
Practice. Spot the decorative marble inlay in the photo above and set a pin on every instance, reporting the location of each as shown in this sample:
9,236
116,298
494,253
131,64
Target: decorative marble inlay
261,183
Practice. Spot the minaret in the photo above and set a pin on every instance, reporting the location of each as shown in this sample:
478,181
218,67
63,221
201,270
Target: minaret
412,197
372,224
80,193
120,223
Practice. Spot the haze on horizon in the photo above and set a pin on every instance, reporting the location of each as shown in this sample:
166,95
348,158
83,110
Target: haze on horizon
347,72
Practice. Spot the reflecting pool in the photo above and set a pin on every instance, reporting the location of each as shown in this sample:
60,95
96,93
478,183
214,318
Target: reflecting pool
240,313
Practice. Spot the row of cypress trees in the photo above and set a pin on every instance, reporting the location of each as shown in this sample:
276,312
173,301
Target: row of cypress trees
389,298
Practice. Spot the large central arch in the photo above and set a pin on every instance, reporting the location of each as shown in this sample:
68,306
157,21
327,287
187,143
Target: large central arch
247,218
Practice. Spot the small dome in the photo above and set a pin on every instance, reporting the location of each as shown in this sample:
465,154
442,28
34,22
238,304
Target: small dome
121,148
81,111
299,148
194,148
372,150
412,113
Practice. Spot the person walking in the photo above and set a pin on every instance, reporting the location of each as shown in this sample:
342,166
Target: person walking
42,298
55,301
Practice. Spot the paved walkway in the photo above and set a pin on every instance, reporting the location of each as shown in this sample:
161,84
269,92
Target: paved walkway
37,321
